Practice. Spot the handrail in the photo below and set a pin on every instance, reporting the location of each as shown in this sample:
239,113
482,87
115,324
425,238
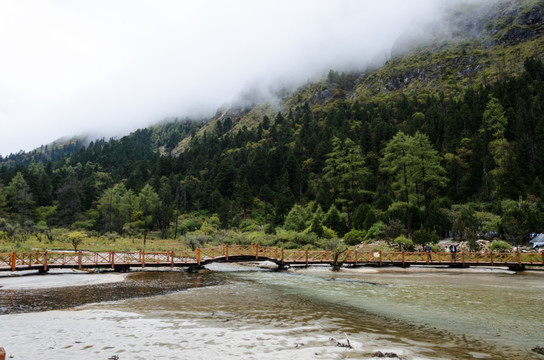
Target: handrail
78,259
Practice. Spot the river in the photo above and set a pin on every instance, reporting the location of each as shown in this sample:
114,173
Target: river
236,313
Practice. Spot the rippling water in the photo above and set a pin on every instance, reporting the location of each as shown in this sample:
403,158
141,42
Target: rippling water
269,315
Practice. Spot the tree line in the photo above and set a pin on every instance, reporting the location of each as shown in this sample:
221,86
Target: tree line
428,163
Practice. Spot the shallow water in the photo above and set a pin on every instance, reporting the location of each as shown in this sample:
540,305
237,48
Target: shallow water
262,315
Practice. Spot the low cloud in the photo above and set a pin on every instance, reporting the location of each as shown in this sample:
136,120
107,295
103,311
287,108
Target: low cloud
109,67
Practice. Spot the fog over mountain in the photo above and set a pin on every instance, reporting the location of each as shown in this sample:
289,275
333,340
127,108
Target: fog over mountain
106,68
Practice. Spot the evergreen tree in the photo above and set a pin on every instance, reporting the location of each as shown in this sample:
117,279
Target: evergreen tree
345,170
19,197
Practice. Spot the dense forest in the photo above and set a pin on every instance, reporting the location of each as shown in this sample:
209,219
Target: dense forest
427,166
446,141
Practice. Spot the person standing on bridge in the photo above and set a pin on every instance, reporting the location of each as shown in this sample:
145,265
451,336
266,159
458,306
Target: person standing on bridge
453,250
427,248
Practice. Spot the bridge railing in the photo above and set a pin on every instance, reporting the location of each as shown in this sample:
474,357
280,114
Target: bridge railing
46,259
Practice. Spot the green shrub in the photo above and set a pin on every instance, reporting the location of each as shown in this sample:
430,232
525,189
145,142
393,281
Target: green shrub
354,237
329,233
269,229
375,231
248,225
404,242
192,224
499,245
423,237
297,219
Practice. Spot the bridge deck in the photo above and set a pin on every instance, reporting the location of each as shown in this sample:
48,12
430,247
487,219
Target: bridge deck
236,253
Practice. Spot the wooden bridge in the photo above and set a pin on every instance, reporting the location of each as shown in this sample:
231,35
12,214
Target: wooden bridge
193,260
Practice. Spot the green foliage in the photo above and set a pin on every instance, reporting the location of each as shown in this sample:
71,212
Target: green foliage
297,219
192,224
345,170
431,125
317,227
269,229
335,220
404,243
375,232
394,229
76,238
424,237
499,245
354,237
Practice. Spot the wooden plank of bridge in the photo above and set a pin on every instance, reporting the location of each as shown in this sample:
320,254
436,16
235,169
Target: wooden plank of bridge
2,354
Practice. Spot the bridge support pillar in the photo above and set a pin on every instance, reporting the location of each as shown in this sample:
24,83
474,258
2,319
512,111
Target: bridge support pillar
194,268
516,267
43,270
121,268
281,267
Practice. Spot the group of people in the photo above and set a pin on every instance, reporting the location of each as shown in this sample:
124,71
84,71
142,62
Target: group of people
453,250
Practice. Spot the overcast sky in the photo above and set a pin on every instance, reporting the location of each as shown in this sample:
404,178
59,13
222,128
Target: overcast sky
108,67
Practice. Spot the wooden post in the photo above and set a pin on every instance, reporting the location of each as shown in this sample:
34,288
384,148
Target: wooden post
256,251
198,256
227,252
282,257
327,256
2,354
427,253
491,256
463,257
519,257
380,258
112,259
402,258
306,257
172,259
45,260
355,257
143,259
13,260
543,258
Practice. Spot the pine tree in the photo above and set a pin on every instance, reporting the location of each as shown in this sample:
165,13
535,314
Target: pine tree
345,171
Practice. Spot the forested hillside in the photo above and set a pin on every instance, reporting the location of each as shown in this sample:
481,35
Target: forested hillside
421,156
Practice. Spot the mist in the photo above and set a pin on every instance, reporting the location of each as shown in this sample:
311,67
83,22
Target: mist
109,67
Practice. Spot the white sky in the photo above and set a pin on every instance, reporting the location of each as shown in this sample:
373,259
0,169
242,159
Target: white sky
108,67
